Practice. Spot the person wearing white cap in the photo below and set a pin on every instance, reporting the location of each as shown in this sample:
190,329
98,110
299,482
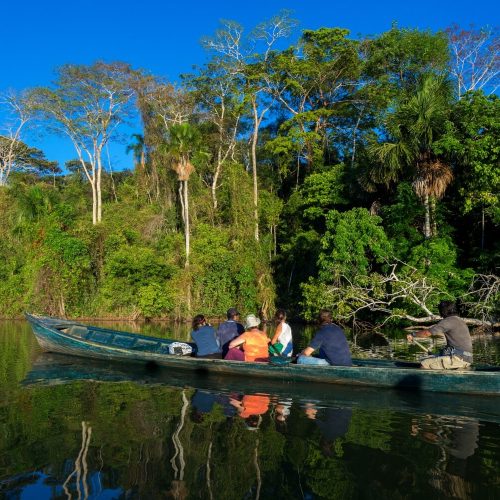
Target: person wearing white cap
253,342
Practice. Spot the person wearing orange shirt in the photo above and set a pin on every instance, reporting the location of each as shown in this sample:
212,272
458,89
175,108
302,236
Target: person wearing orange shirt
253,342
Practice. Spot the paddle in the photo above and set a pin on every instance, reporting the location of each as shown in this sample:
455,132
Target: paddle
417,343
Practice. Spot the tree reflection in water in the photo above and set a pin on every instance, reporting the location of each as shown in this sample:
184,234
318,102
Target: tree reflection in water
80,464
179,490
185,436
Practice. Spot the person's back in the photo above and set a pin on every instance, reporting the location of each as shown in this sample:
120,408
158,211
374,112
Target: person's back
255,346
285,339
251,345
282,339
457,354
205,338
455,331
332,344
228,330
206,341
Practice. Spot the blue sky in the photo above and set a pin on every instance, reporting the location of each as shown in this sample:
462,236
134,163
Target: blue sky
163,36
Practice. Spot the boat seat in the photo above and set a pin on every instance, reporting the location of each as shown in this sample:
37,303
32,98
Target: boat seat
78,331
146,345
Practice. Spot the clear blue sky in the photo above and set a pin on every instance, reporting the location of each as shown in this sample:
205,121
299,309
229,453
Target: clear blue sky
163,36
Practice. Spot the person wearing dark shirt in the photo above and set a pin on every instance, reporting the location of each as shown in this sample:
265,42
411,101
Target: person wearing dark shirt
228,330
330,342
457,355
205,338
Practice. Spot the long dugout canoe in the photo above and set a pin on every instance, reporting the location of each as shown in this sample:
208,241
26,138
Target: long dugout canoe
76,339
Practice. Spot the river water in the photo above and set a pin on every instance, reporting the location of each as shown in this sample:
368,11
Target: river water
76,428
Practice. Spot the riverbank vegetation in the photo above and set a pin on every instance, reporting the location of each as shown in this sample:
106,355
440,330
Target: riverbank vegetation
305,171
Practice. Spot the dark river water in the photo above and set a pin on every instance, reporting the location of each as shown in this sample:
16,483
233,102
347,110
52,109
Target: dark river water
74,428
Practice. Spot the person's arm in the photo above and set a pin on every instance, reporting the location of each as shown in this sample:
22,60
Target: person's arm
419,334
237,404
307,351
314,345
433,331
277,333
237,342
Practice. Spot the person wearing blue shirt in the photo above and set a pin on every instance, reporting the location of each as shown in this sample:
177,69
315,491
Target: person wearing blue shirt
204,335
330,342
230,329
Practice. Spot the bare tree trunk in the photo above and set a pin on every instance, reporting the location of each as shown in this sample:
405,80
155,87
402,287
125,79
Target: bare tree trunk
94,202
98,189
255,137
113,186
427,225
433,215
186,222
216,178
181,199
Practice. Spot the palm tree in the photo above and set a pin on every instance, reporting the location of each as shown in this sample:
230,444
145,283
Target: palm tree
183,142
138,148
417,123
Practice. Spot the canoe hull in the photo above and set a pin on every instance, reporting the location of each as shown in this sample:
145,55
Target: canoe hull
51,339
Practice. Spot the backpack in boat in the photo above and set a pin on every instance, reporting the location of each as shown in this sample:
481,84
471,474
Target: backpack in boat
180,349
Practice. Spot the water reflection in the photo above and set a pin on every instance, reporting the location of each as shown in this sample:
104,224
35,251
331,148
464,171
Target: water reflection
457,441
76,428
80,472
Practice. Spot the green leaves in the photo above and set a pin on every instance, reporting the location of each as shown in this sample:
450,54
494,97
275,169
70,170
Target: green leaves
353,244
322,191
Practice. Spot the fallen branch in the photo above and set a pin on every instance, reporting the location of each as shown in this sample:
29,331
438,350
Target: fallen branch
392,293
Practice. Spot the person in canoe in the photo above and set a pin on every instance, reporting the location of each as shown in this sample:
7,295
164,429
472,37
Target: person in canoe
205,338
330,342
457,355
251,345
282,340
229,329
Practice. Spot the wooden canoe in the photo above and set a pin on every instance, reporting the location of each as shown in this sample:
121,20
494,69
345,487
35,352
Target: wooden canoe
69,337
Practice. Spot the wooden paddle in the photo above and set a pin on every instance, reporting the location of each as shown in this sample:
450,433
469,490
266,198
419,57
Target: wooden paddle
416,342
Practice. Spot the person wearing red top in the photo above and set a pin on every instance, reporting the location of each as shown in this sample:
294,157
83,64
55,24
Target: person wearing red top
253,342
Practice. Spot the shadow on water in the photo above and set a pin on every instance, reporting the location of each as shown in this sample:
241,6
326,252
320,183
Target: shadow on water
413,382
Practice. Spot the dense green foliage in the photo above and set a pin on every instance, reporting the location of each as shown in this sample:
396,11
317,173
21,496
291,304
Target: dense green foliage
295,177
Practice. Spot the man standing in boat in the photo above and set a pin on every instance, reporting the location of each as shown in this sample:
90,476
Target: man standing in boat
229,329
457,355
331,343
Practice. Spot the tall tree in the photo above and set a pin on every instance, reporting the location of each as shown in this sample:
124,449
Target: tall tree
475,58
314,83
241,58
220,104
88,104
182,144
14,154
413,128
473,144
